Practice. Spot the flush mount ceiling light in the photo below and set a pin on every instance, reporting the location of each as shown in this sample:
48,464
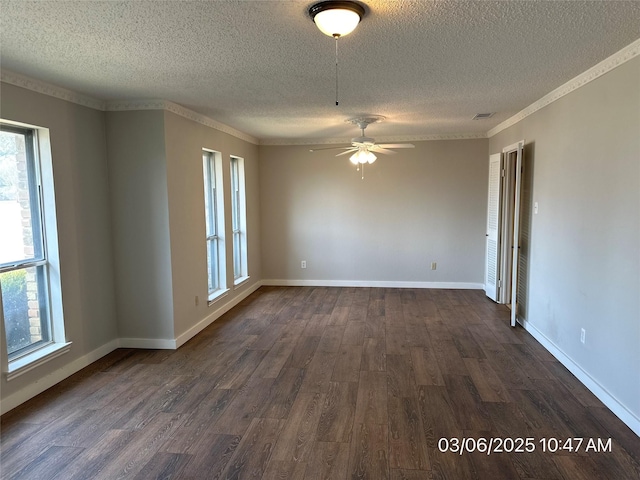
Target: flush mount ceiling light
336,18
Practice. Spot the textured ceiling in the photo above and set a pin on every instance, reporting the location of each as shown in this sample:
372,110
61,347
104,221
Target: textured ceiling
263,68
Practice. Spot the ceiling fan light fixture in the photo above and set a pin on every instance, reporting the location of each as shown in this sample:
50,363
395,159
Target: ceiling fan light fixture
336,18
362,156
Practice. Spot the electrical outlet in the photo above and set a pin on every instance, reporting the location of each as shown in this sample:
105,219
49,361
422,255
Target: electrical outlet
583,334
433,265
197,301
303,264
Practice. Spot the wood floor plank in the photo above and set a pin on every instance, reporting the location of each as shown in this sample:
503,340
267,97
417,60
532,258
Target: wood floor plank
273,362
210,456
316,325
374,326
48,464
374,357
144,444
302,352
283,393
299,433
247,404
510,422
338,411
464,342
318,372
250,458
329,461
331,338
369,452
371,405
396,342
448,357
339,316
467,405
92,461
407,445
484,378
285,470
347,366
164,465
400,376
354,334
425,366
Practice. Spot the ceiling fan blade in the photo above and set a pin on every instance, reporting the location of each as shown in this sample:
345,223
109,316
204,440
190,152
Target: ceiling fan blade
328,148
379,149
351,149
397,145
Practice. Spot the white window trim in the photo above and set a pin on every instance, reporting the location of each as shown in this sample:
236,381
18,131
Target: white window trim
217,295
28,362
219,225
58,345
242,276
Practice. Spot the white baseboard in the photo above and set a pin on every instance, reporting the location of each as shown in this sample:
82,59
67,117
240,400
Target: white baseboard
618,409
213,316
49,380
372,283
148,343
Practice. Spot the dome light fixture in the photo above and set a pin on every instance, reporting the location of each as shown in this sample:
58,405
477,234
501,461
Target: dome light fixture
336,18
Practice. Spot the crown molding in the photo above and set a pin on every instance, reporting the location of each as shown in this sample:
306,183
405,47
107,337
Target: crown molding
39,86
605,66
394,139
55,91
158,104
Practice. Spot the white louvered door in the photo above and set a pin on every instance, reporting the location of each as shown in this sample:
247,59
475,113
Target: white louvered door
492,252
516,234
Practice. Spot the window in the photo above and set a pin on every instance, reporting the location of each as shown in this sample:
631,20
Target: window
25,283
214,221
238,221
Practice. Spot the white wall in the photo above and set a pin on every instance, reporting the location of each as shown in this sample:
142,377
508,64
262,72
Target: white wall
84,230
420,206
583,270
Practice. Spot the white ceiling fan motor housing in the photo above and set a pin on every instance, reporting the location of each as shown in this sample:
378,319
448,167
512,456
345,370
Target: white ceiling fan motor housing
366,141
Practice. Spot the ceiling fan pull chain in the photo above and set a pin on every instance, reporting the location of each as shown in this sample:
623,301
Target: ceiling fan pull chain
336,37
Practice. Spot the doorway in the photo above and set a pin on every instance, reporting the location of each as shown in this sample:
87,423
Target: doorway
503,226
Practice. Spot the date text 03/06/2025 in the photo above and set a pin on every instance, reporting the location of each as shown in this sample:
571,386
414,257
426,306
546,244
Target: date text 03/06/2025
491,445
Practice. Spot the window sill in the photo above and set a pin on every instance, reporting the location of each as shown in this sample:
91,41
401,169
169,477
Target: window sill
238,282
215,296
34,359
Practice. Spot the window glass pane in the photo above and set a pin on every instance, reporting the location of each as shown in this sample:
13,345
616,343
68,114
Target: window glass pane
215,246
24,307
19,203
212,263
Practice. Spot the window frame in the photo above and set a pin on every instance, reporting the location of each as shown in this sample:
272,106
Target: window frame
214,223
45,258
238,220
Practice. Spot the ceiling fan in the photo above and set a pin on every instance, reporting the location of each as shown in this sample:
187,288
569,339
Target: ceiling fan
363,148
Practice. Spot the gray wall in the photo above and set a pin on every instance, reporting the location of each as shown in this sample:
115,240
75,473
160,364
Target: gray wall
422,205
583,270
84,225
140,212
185,140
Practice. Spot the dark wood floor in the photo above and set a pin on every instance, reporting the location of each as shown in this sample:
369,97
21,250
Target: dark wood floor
323,383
